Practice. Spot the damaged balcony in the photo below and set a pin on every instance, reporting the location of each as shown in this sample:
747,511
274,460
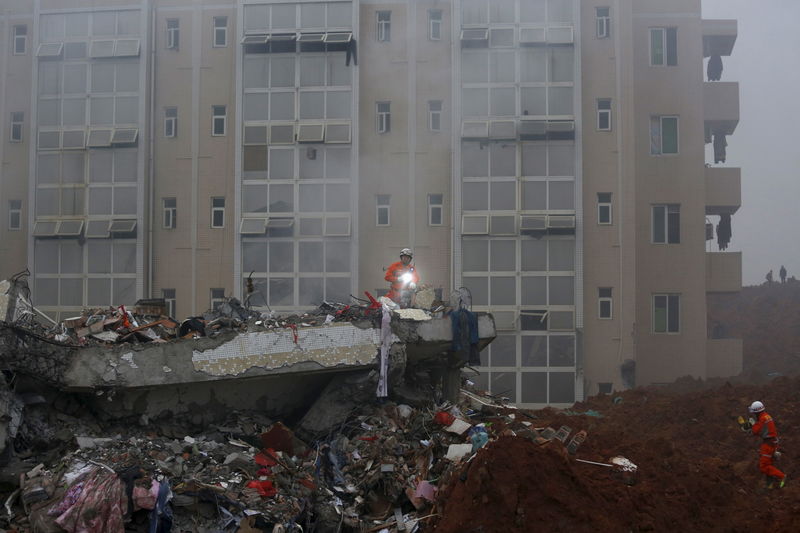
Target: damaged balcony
723,271
723,357
723,190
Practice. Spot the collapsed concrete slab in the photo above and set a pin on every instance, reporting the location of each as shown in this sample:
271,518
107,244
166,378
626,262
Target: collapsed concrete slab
274,370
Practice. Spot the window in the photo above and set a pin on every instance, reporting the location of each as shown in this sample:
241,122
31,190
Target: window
664,46
604,114
382,213
384,114
605,304
15,214
220,32
666,313
218,212
217,298
170,213
604,208
603,17
663,135
435,115
169,299
435,24
218,120
435,209
20,44
17,119
173,34
667,224
170,122
384,26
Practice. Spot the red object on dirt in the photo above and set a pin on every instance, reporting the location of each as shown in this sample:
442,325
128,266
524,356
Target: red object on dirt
265,488
279,438
266,459
444,418
373,303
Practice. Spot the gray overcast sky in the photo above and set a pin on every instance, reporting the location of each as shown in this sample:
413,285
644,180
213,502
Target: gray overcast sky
765,144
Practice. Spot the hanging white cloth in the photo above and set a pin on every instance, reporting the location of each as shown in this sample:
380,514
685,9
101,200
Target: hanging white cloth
386,342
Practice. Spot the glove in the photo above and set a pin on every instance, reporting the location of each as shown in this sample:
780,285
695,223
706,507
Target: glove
776,455
751,421
412,286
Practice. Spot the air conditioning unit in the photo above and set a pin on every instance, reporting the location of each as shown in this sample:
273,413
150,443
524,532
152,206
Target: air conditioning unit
503,225
560,126
503,130
559,35
532,223
532,36
475,225
532,128
475,129
560,221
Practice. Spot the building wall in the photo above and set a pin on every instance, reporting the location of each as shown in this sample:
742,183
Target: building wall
316,200
15,96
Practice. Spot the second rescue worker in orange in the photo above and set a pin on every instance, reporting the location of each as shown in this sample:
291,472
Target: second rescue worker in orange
402,275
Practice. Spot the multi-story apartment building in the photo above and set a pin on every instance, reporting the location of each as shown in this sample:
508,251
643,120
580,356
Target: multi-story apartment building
546,155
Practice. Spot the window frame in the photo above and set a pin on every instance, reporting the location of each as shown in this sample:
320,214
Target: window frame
601,204
603,298
171,301
660,149
383,208
16,125
669,329
435,114
602,22
217,210
170,122
668,209
169,219
601,111
435,206
223,118
436,23
220,30
19,37
173,34
383,30
12,211
215,300
667,60
383,123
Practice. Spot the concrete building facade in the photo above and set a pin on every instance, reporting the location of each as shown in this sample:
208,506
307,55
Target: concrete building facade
547,156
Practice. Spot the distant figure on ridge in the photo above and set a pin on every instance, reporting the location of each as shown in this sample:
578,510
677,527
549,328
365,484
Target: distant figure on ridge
782,273
769,277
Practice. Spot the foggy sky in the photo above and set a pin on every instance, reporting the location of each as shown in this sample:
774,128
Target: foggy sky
766,229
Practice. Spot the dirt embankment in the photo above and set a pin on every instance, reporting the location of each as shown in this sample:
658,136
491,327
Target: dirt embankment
767,318
697,471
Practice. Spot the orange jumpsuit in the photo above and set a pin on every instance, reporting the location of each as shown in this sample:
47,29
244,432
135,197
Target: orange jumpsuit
393,275
765,428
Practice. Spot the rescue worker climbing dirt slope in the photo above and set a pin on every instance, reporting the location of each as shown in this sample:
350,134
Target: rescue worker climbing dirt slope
764,426
404,278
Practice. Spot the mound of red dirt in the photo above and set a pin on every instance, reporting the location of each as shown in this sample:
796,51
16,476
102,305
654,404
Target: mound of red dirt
767,318
697,471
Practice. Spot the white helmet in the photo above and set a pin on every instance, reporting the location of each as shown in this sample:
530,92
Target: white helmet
756,407
407,251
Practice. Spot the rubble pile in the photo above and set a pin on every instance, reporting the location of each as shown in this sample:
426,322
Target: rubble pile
379,470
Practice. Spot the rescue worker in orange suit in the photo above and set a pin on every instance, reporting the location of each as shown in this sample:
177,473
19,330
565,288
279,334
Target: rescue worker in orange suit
764,426
404,278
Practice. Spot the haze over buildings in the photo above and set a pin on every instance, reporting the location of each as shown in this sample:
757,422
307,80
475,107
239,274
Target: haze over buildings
547,155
